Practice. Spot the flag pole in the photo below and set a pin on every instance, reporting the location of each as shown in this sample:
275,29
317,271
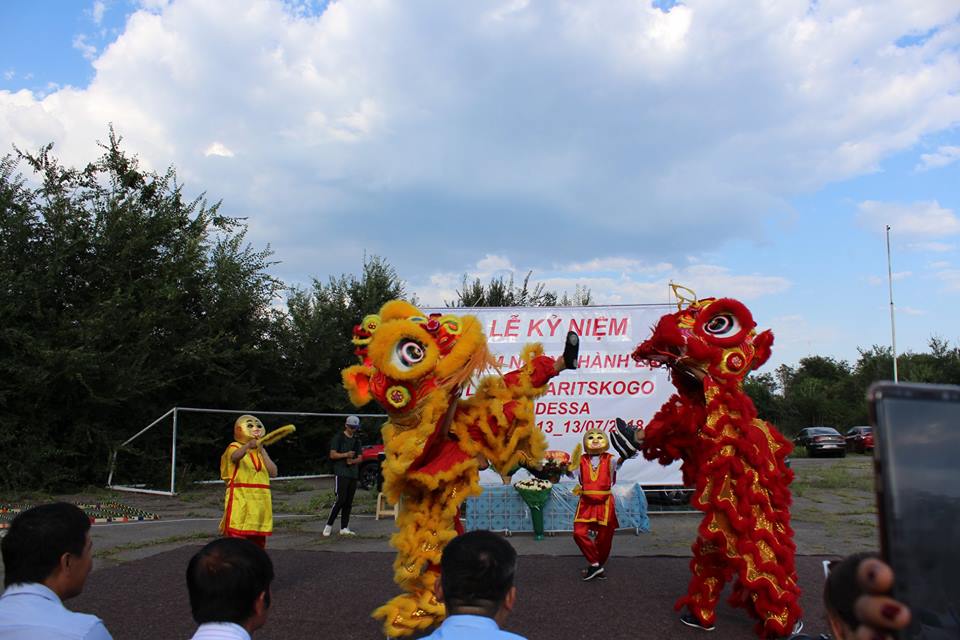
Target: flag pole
893,326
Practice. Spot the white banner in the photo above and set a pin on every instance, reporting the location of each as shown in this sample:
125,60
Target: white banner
607,385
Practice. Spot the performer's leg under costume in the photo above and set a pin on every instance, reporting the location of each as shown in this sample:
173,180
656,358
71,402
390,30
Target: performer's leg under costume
595,550
710,572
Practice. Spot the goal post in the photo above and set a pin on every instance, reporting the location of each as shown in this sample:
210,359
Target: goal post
174,420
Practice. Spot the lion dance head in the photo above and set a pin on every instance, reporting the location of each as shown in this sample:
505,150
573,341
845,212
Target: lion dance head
713,337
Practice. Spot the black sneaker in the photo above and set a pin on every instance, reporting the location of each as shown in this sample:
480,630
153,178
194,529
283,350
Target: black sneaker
692,621
592,572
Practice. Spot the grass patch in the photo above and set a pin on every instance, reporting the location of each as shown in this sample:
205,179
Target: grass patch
290,486
133,546
834,477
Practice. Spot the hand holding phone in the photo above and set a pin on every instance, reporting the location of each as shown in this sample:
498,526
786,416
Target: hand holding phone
917,461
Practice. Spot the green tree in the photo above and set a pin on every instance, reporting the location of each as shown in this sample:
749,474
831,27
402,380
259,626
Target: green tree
121,299
318,327
504,292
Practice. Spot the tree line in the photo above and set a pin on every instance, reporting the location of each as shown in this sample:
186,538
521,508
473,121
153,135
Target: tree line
122,298
825,391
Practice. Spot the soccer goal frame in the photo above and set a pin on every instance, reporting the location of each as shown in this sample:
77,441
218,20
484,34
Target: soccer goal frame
174,414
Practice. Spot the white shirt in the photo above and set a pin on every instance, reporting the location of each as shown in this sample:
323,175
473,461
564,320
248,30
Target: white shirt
220,631
32,611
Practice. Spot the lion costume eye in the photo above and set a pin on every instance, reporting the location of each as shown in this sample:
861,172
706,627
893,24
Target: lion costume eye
408,354
721,325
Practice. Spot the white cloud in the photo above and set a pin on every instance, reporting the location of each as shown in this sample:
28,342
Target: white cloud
592,129
897,276
939,264
942,157
491,264
915,219
97,11
950,278
931,247
9,74
614,263
86,49
910,311
646,283
218,149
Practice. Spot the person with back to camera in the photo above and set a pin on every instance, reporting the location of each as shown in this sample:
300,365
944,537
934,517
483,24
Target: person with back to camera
476,585
345,452
47,556
229,586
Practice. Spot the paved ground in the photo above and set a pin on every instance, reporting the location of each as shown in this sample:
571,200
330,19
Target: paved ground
320,594
327,587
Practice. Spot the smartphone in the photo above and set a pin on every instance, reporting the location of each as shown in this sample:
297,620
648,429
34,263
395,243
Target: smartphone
917,464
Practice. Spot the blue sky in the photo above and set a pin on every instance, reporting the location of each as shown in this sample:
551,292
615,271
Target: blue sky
745,149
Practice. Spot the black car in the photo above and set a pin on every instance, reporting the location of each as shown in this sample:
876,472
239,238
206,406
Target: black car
821,440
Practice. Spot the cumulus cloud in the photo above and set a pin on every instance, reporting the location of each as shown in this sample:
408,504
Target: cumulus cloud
85,48
642,284
931,247
218,149
97,11
593,127
915,219
950,278
942,157
897,275
911,311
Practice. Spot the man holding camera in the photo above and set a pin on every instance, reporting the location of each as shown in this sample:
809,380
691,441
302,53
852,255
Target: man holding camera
346,456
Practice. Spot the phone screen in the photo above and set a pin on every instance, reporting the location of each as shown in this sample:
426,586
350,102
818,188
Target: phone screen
918,447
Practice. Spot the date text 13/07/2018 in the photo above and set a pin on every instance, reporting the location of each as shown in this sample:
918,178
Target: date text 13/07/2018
579,426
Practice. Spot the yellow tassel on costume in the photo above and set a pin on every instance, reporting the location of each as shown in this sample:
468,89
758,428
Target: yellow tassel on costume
575,458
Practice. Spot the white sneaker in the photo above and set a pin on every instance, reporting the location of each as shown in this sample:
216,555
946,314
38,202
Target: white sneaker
346,532
326,531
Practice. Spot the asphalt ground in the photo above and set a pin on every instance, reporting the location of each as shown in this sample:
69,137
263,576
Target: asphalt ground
327,587
323,594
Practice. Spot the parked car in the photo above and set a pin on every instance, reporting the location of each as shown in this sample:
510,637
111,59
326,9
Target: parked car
372,456
859,439
670,495
821,440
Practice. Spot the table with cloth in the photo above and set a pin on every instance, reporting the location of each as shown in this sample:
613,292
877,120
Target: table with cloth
500,508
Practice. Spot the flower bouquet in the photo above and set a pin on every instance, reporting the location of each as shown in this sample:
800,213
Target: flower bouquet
555,465
535,492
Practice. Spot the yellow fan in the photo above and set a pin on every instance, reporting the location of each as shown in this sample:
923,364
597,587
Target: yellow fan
277,434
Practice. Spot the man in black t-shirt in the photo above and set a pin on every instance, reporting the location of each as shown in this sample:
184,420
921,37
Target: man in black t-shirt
345,454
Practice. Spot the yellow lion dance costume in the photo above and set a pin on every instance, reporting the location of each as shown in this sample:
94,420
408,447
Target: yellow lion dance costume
435,443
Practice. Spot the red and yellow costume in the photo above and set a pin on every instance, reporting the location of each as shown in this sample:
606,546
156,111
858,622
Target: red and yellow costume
434,441
734,460
596,510
248,507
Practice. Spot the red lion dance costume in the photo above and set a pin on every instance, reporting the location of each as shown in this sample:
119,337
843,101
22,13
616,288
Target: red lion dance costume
435,442
735,461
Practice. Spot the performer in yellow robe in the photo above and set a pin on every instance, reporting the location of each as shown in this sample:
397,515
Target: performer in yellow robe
246,468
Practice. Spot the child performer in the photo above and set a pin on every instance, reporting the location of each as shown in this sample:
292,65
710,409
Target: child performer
596,510
246,467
